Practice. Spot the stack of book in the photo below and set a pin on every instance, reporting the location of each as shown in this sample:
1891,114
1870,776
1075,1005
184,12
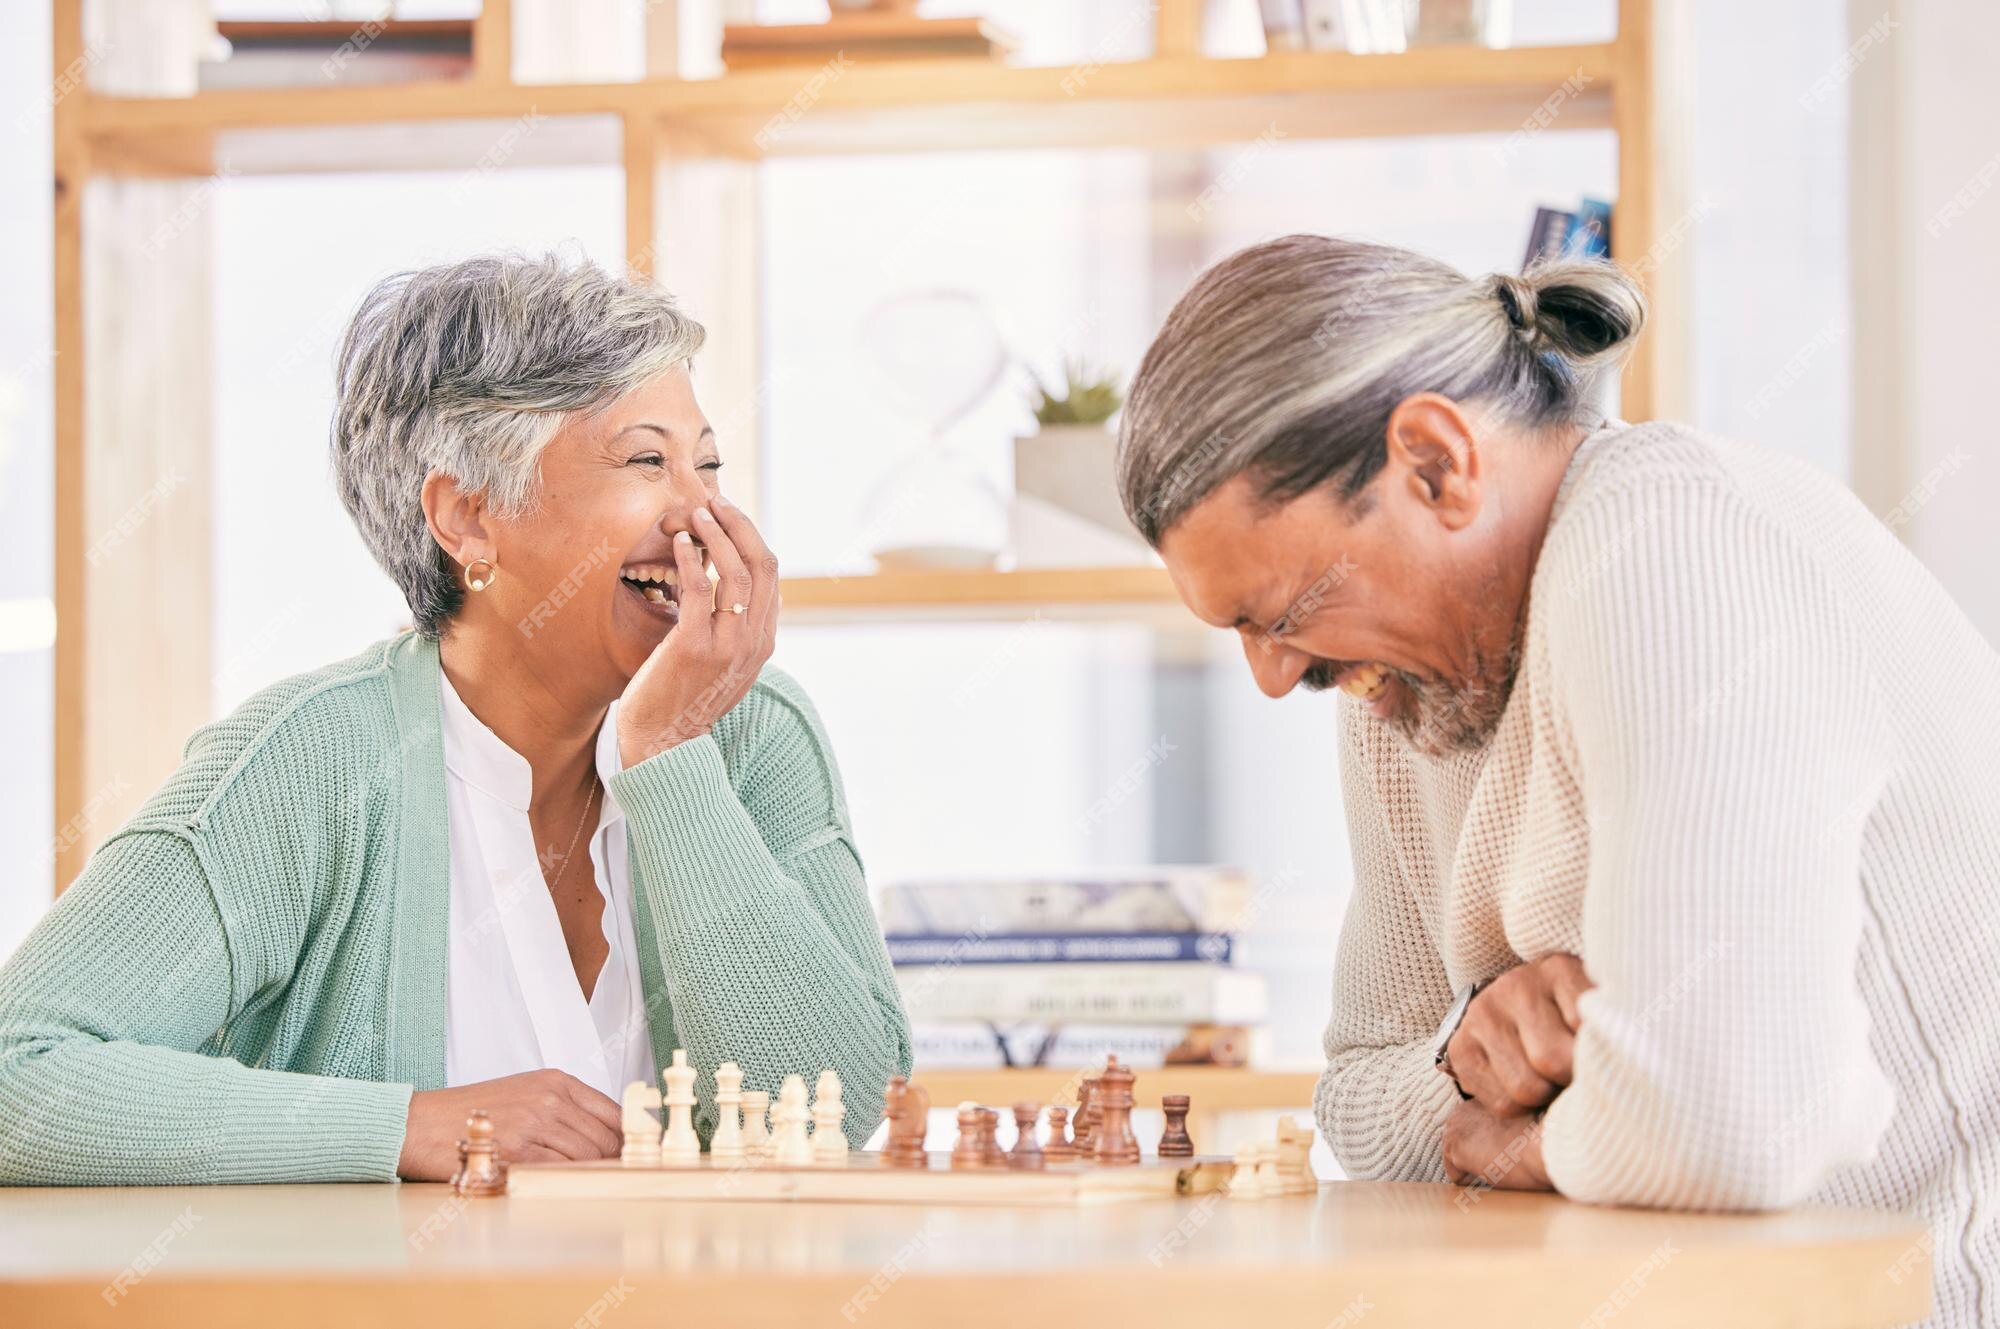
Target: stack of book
1061,971
869,35
314,53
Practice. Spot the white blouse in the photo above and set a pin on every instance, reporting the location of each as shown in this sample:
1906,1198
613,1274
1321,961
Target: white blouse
514,1002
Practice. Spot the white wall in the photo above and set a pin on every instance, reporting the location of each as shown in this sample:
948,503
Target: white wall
1934,93
294,586
27,589
987,748
1767,254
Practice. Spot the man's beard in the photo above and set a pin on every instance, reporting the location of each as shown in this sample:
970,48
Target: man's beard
1439,719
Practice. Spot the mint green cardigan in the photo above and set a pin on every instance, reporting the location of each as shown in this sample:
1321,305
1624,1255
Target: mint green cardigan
248,980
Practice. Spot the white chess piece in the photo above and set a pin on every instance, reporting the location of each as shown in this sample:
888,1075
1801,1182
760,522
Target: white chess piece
680,1145
794,1146
756,1136
642,1132
1244,1182
1270,1182
829,1144
726,1145
1295,1157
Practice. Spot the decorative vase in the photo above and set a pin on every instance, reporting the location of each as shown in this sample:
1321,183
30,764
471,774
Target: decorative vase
1068,513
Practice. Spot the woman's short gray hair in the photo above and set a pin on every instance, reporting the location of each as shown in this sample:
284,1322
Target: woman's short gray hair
1285,360
470,368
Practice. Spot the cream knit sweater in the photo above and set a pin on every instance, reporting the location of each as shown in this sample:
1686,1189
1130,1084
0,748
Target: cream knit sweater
1750,774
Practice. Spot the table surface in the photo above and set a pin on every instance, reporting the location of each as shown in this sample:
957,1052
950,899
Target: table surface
1375,1253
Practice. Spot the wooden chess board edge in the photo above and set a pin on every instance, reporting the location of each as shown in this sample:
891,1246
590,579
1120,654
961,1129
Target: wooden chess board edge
864,1181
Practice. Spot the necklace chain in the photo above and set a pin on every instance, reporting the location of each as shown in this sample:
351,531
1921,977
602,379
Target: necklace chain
556,886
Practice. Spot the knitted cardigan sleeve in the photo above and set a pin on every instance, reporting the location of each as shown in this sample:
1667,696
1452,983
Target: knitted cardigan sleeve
772,955
115,1061
1381,1103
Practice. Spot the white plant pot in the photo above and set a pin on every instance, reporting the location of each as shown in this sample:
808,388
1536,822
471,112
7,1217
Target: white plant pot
1071,468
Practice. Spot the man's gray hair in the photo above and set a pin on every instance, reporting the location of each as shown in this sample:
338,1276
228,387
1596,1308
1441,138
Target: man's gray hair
1286,359
470,368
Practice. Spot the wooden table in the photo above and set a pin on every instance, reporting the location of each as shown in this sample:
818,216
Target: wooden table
1355,1254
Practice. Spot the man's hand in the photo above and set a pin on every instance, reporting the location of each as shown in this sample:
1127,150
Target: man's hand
1481,1149
1512,1051
538,1116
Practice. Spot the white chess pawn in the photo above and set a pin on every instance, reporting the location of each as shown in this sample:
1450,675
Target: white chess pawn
756,1136
726,1145
680,1144
642,1132
1244,1182
829,1144
794,1146
1270,1181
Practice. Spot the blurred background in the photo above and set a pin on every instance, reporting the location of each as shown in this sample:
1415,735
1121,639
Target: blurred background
930,247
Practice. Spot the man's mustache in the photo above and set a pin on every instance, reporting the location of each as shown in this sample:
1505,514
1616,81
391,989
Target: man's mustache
1319,675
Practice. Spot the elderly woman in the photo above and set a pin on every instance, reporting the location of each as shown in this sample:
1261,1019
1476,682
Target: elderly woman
1669,773
509,861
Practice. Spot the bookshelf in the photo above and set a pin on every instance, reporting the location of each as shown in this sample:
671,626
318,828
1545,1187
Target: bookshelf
1177,102
133,267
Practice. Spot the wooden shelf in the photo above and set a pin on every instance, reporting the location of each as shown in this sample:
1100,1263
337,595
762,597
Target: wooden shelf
134,282
901,106
984,594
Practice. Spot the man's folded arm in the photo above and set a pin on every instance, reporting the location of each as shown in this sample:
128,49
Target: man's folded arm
1731,746
1381,1103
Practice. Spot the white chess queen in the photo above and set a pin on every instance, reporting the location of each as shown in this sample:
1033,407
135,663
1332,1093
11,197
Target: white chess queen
466,868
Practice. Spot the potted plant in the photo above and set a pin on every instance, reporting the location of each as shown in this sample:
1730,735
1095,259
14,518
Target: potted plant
1067,464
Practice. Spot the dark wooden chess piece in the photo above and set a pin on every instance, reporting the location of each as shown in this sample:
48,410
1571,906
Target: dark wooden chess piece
1084,1118
1111,1140
1059,1149
480,1170
989,1137
1174,1141
908,1108
1027,1155
972,1149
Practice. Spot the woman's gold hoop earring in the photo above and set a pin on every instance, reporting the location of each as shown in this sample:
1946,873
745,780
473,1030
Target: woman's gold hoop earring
482,580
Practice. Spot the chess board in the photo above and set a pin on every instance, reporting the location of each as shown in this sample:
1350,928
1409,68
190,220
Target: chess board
864,1179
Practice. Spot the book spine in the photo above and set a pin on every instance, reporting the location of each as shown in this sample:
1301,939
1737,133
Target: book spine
954,1045
1590,232
1200,900
925,948
1546,237
1108,993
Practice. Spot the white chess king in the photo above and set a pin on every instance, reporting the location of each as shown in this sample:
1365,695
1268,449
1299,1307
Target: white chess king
680,1143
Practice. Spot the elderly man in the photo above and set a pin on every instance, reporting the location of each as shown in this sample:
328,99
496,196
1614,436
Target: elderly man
1673,780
